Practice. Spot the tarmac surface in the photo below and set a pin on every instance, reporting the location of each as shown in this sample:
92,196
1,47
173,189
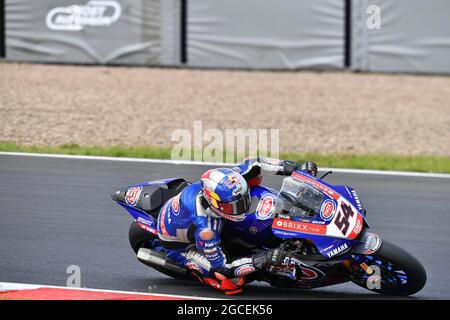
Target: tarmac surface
55,213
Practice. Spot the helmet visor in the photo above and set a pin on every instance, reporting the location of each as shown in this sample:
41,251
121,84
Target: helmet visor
236,207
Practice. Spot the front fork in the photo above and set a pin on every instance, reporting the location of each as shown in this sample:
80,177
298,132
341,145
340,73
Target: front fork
370,243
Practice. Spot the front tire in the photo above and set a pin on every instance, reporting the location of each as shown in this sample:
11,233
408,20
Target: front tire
401,274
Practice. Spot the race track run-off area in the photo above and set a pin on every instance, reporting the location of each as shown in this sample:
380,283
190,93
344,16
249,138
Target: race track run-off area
56,212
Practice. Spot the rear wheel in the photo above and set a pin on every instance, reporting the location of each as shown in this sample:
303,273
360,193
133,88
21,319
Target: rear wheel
399,272
139,238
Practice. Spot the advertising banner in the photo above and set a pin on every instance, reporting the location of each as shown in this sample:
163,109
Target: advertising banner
269,34
401,36
93,31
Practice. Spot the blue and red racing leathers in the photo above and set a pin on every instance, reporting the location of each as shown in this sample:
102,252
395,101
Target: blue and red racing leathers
190,230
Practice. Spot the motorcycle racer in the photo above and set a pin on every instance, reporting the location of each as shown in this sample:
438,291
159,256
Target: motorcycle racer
190,224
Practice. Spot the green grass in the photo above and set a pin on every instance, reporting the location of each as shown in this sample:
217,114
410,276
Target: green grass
75,149
422,163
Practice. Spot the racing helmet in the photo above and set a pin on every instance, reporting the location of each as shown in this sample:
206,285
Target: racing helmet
227,193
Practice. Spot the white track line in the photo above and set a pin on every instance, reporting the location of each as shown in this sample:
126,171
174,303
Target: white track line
200,163
11,286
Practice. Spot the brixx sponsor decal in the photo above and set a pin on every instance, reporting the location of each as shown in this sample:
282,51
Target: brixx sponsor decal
297,226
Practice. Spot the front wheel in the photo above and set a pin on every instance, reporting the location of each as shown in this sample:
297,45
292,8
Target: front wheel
391,271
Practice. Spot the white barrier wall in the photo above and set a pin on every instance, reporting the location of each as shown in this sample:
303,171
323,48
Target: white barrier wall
411,35
276,34
93,31
414,36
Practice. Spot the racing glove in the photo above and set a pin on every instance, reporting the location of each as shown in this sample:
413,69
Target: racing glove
271,257
291,166
309,166
276,261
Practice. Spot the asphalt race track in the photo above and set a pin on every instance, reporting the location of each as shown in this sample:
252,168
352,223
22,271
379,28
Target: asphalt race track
58,212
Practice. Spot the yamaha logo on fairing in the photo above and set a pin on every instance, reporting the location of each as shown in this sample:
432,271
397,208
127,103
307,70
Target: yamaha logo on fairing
358,202
96,13
337,250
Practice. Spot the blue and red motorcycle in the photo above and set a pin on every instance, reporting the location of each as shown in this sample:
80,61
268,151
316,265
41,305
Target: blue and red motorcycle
324,227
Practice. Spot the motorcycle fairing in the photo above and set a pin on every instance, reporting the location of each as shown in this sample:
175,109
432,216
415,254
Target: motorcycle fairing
334,192
253,230
145,221
334,236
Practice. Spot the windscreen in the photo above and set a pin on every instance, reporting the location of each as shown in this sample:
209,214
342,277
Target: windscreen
298,199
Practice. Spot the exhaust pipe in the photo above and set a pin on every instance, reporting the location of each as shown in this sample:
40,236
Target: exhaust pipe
153,258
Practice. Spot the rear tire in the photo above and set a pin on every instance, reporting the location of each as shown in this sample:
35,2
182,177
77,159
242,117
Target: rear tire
139,238
407,266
